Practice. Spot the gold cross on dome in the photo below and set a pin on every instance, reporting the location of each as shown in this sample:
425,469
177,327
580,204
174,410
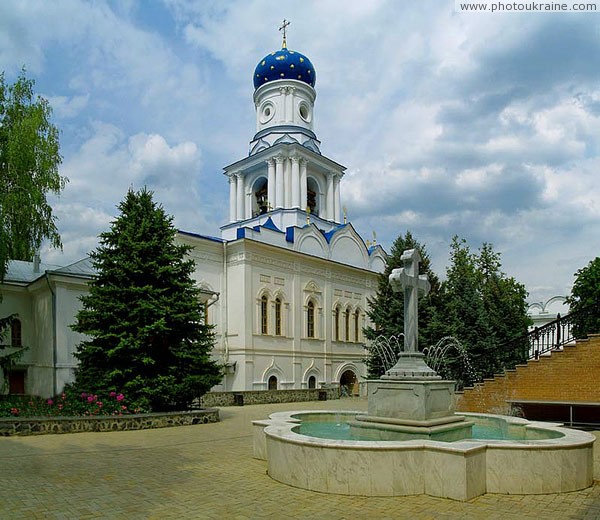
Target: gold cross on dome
283,27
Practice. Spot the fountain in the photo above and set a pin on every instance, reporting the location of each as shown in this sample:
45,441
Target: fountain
411,398
411,441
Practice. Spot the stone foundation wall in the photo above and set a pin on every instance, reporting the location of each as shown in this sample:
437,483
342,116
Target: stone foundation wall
569,375
43,425
269,396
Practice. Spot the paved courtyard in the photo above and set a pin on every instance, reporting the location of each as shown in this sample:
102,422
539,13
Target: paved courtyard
207,471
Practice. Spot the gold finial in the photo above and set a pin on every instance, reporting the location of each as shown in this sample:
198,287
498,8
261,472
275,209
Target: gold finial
368,244
374,238
282,29
345,214
307,215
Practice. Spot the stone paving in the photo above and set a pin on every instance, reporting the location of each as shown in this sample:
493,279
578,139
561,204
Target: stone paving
207,471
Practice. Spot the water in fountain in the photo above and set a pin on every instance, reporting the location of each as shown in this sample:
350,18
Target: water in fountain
437,357
386,349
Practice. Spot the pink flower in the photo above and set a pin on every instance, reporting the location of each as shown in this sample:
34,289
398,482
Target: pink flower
50,402
120,397
112,394
14,411
99,403
91,398
60,406
83,395
63,396
123,407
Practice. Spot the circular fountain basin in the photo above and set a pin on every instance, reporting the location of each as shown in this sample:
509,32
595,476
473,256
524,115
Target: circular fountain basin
531,458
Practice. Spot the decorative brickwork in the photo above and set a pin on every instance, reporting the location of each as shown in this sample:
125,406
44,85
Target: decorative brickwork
43,425
570,375
269,396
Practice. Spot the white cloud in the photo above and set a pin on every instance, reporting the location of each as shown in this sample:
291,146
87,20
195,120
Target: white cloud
65,107
108,164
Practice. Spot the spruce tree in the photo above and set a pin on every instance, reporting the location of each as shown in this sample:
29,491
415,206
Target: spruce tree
465,315
386,308
484,310
504,300
143,316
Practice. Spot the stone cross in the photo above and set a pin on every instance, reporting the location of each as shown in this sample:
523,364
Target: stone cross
408,278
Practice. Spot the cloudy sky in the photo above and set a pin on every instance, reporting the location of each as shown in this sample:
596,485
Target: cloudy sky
486,126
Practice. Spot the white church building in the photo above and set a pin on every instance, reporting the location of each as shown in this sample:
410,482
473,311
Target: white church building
286,285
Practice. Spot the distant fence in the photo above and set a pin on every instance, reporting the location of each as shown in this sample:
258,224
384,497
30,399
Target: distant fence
268,396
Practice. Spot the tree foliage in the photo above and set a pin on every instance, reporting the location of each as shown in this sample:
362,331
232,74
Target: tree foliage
484,310
29,161
584,300
477,304
143,315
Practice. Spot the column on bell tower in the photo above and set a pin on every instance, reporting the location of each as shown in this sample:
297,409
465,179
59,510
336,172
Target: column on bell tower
287,182
279,201
240,196
271,182
337,199
232,198
329,210
295,181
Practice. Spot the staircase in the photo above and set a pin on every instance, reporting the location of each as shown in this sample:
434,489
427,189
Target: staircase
568,373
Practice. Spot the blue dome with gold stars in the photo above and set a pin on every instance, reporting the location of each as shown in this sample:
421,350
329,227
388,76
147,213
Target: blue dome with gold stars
284,64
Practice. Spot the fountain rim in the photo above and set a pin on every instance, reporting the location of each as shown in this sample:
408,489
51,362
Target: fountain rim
280,426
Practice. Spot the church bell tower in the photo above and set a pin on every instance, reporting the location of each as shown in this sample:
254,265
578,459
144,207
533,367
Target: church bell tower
285,177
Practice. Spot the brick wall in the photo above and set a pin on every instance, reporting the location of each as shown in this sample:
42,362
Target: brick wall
572,374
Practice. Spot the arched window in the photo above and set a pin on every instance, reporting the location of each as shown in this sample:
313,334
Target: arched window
260,203
337,324
278,317
312,196
357,326
15,333
264,316
273,383
310,320
347,324
312,382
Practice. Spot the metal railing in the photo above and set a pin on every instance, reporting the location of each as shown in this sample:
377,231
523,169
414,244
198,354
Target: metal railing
559,332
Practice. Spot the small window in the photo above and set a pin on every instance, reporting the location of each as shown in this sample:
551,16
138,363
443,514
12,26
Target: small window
273,383
357,326
310,320
337,324
15,333
278,317
264,317
312,382
347,324
16,382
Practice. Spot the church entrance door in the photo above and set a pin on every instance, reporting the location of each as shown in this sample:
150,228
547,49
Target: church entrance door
349,383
